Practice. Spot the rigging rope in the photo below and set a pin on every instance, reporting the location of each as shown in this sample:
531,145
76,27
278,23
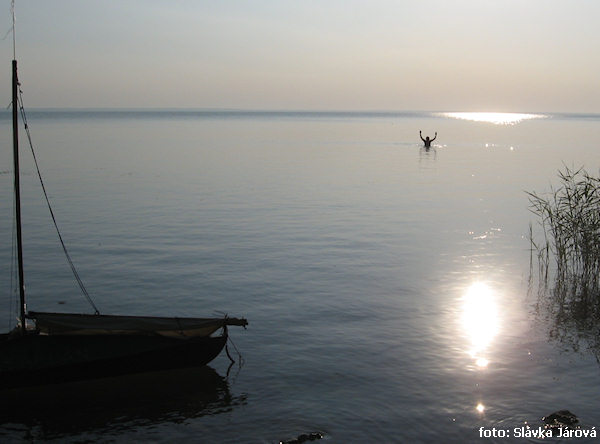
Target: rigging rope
64,247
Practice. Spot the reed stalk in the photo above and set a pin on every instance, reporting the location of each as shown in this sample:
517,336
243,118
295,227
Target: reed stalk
569,217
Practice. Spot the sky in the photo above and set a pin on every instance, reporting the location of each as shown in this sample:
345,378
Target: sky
429,55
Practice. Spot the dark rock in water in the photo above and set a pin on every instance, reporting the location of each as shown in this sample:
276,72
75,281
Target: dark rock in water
304,438
561,418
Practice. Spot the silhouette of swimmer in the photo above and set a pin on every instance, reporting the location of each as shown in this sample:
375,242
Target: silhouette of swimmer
427,141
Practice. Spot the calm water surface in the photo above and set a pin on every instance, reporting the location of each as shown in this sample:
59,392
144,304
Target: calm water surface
386,286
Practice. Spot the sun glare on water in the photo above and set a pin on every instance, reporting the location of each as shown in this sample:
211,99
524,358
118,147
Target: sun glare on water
495,118
480,320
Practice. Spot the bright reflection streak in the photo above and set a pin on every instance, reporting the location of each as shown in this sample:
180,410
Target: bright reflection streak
482,362
495,118
480,408
480,320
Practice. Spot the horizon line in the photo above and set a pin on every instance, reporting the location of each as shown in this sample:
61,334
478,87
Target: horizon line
294,110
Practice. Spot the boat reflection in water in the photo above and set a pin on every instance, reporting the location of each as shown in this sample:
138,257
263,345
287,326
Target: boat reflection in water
115,405
480,320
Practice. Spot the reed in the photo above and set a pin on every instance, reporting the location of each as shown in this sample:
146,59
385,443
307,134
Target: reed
569,217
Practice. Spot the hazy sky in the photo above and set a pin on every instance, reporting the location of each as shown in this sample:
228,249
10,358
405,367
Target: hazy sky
442,55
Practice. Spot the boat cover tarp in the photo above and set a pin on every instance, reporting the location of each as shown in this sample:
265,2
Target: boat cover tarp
85,324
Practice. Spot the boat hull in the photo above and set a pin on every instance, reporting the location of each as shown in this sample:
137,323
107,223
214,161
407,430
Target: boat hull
36,359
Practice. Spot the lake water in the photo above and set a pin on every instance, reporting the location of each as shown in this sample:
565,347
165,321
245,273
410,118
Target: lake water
385,285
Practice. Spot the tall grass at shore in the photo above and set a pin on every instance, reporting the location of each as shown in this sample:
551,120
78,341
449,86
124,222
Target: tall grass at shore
569,254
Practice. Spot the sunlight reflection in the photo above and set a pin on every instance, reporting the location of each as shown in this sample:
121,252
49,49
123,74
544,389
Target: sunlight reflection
480,320
482,362
495,118
480,408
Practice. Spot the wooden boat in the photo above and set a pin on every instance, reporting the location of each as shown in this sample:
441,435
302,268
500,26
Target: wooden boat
57,347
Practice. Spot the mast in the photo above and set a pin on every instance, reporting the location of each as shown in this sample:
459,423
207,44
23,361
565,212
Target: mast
15,117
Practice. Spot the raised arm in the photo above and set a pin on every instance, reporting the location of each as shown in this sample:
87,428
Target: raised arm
434,137
421,136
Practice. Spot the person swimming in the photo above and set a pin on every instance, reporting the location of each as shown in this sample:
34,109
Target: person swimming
427,141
